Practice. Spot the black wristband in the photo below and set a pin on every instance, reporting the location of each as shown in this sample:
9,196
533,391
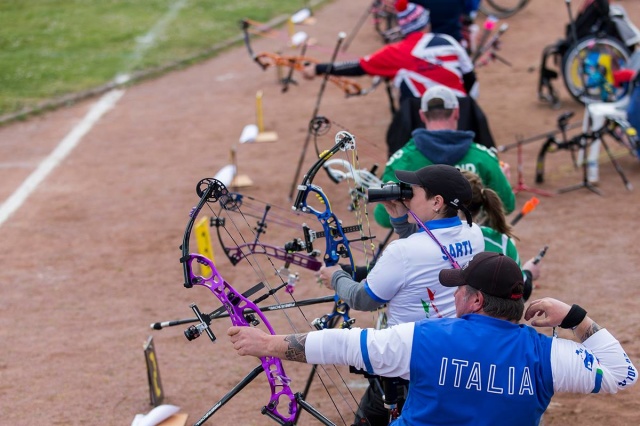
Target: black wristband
574,317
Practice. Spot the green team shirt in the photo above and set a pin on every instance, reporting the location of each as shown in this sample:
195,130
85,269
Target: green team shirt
497,242
479,160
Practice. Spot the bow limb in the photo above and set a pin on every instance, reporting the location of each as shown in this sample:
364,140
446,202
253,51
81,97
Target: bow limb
334,233
337,244
245,24
211,190
236,305
359,180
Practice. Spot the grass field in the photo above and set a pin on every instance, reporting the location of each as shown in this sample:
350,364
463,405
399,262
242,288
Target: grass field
50,48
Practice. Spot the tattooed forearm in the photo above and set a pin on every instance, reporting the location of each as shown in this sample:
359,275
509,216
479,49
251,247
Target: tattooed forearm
295,350
593,329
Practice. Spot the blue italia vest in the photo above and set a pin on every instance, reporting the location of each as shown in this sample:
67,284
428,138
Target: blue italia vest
479,371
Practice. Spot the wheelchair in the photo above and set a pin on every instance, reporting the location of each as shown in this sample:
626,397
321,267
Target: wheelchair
598,43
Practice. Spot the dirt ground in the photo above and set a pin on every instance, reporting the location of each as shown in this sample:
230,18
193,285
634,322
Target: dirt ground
92,256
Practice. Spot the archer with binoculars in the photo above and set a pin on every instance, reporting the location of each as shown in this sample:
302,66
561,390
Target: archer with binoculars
405,276
390,192
424,211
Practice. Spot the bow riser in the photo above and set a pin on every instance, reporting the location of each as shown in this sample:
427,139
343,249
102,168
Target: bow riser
236,305
236,254
337,244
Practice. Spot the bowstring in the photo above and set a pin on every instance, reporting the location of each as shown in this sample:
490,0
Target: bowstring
368,144
357,206
381,311
273,218
258,270
358,210
262,274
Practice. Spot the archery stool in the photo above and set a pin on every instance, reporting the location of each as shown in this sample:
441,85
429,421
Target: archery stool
595,117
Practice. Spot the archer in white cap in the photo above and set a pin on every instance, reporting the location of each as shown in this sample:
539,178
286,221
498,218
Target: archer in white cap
441,143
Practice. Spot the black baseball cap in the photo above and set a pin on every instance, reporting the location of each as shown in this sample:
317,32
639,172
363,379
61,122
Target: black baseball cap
444,180
492,273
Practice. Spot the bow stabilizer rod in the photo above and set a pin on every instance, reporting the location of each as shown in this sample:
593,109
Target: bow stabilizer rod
341,37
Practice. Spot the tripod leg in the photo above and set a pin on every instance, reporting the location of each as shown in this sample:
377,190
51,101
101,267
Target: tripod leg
617,166
304,393
311,410
585,181
237,388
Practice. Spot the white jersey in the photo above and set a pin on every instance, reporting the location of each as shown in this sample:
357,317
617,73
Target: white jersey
598,365
406,275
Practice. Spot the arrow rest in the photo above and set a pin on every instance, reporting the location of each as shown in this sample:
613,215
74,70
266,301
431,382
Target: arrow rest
292,278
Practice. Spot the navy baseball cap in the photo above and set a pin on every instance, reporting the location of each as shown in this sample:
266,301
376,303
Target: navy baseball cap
492,273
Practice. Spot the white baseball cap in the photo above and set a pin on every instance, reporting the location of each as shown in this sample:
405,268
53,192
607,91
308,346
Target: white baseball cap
438,97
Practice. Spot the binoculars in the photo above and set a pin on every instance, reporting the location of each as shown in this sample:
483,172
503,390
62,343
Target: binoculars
390,192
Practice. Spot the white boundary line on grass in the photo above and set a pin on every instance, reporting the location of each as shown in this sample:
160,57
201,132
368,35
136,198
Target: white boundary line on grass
73,138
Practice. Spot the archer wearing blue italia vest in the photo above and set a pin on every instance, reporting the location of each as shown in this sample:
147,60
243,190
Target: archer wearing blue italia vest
486,362
482,368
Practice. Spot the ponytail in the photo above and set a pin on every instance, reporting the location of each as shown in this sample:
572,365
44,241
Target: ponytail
486,202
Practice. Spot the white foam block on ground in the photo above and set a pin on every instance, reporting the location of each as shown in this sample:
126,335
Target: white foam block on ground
249,133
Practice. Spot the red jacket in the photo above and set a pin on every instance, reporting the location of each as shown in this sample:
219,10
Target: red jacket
421,61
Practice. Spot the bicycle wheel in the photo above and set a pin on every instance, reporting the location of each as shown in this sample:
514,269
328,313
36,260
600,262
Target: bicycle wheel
501,8
588,66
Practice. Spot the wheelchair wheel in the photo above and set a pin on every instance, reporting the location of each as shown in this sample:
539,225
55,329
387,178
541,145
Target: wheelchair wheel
501,8
588,66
